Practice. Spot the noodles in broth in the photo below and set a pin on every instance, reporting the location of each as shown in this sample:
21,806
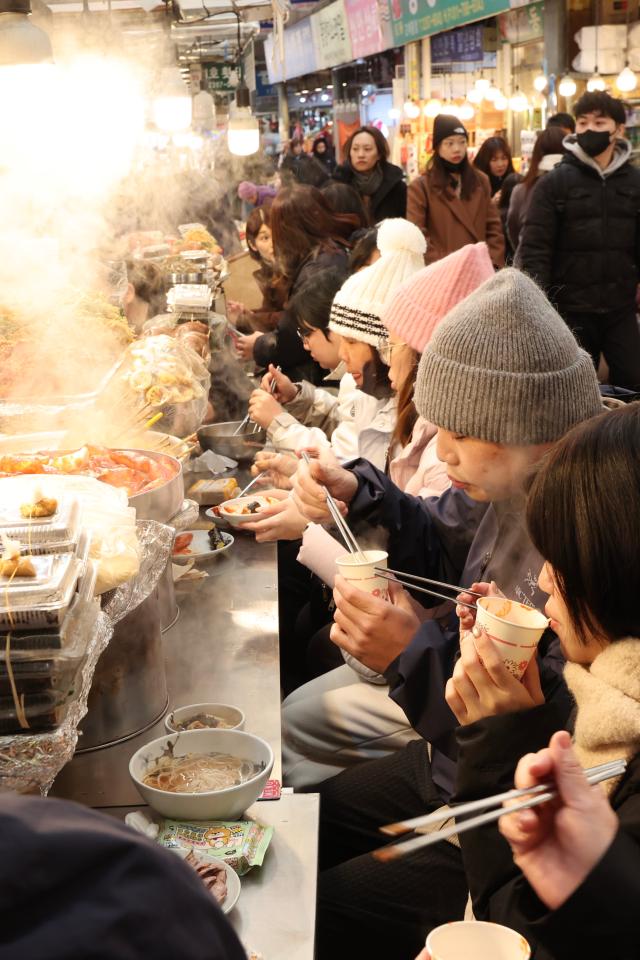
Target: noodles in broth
200,772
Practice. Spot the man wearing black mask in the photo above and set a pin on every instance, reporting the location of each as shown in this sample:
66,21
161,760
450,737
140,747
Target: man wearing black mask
581,237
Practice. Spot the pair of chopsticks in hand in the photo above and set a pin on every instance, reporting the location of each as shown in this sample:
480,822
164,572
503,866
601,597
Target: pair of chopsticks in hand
272,389
525,799
350,541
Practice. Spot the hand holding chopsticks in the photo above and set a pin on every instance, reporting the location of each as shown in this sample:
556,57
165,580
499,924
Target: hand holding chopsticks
343,528
523,799
310,485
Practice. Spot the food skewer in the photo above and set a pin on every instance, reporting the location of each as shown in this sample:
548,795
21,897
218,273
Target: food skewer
542,794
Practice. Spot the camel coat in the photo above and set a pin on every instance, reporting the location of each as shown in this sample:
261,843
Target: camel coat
449,223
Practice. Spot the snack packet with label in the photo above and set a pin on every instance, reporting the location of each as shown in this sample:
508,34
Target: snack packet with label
240,843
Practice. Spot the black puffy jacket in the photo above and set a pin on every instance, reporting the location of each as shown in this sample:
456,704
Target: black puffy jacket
389,200
581,235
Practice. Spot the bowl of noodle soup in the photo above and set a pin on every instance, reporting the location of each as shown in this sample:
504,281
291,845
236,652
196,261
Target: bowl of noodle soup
208,774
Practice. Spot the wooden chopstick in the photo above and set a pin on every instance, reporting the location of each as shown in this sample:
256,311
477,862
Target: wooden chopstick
426,820
395,850
382,572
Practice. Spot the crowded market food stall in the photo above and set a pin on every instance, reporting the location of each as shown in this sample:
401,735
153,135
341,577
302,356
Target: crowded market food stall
123,601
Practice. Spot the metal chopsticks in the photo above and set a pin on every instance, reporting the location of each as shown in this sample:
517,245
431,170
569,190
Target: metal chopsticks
533,797
242,425
350,541
397,578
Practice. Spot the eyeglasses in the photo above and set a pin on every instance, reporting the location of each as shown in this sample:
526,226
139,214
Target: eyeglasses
303,335
386,351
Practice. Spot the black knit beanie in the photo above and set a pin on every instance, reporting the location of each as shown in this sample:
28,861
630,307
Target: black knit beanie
445,125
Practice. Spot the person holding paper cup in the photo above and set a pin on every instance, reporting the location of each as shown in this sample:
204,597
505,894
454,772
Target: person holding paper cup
503,379
574,884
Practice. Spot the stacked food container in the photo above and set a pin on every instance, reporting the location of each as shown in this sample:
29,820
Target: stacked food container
46,619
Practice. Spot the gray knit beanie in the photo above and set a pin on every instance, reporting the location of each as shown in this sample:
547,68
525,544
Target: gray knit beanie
504,367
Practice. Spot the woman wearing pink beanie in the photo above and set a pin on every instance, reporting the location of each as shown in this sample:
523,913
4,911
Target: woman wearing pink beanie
412,318
340,719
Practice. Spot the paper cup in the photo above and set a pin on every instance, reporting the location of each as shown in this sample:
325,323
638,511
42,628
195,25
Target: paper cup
362,574
514,628
476,940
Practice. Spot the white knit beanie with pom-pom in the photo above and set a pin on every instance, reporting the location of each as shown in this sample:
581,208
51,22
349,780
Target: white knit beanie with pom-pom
360,302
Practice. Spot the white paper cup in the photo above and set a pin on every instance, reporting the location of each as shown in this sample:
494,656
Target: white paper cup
514,628
476,940
362,574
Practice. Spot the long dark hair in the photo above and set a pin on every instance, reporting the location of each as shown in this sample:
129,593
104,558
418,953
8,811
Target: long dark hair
487,152
380,140
301,222
583,515
548,141
406,414
310,306
442,180
344,199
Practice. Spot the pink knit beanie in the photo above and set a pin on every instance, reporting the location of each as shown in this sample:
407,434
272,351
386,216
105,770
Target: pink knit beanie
421,302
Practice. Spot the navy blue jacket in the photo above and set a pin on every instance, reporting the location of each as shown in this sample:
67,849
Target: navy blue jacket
458,540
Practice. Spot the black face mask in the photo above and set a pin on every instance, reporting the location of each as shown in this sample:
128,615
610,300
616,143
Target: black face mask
594,142
451,167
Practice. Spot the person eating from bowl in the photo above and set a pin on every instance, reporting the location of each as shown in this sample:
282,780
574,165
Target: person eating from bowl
503,379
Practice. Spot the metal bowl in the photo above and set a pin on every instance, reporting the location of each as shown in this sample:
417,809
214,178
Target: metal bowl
219,438
163,502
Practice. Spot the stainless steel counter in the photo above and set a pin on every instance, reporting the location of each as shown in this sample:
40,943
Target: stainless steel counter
224,648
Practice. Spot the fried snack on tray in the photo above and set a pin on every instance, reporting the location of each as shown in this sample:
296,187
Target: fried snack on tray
12,564
39,507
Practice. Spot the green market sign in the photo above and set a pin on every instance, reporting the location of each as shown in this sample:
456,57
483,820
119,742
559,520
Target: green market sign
413,19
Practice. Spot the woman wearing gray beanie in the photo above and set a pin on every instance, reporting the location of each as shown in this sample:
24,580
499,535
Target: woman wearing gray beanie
503,379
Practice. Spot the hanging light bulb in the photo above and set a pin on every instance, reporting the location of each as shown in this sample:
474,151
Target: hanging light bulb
596,83
500,103
432,107
492,92
172,105
518,102
474,95
243,133
626,80
467,111
567,86
482,84
411,110
540,82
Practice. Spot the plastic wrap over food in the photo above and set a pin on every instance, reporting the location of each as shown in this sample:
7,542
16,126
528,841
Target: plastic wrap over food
156,543
30,763
187,516
170,377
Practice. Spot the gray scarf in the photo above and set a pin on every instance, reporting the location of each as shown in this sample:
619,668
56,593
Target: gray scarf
368,183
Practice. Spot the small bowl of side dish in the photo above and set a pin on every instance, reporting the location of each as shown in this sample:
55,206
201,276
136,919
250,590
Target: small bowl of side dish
199,759
245,509
203,716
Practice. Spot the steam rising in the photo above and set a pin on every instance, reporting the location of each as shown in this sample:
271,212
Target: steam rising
79,170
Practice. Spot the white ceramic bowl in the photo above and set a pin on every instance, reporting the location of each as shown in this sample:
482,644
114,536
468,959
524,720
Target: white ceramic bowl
228,804
235,520
225,711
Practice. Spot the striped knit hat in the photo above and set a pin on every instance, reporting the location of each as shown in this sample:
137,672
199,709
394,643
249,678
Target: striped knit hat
360,302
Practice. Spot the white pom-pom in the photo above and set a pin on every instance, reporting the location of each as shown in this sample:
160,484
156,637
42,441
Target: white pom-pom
398,234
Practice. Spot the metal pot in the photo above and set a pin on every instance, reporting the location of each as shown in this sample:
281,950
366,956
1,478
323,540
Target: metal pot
219,438
162,502
129,689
